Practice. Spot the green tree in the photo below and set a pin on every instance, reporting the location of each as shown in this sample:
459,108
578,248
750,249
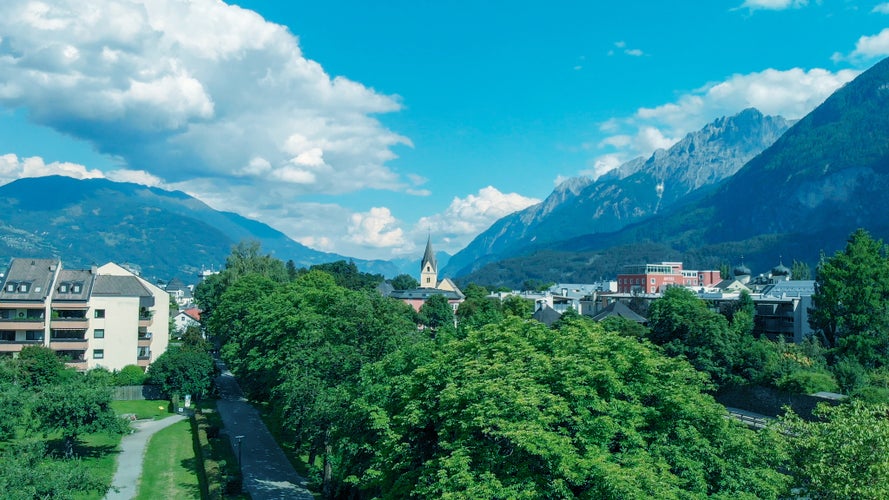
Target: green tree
130,375
851,300
436,313
800,271
74,408
183,371
515,305
682,324
27,473
404,282
347,275
516,410
844,454
40,366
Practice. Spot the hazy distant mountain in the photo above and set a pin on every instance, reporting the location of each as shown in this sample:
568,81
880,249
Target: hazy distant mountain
165,233
635,191
825,177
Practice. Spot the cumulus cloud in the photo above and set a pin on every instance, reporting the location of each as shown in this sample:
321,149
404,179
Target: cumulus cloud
376,228
869,47
12,167
882,8
466,217
622,47
194,89
773,4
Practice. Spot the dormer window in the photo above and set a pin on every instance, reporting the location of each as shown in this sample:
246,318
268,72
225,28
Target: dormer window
24,287
76,287
10,287
63,288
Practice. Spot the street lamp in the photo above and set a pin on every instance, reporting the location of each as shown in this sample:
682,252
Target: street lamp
239,438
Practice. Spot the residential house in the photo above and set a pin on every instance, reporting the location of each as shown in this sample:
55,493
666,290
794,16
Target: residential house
430,285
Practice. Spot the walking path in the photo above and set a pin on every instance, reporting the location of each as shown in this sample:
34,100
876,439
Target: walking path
267,474
132,452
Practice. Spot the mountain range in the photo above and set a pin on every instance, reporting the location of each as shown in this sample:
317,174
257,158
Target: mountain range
635,191
163,234
826,176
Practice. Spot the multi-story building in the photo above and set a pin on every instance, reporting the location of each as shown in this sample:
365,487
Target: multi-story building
653,278
100,317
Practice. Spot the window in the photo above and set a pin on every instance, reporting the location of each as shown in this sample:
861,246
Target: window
98,353
24,287
99,313
99,333
34,335
652,281
10,287
76,287
63,288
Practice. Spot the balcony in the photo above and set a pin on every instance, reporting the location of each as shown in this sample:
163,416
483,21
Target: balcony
17,345
70,323
143,357
68,344
22,324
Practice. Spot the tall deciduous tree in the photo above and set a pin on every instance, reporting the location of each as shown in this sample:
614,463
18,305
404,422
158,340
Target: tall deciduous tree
436,313
76,407
683,325
851,301
183,371
404,282
845,454
516,410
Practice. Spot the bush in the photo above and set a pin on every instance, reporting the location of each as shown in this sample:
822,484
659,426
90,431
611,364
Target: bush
807,382
129,375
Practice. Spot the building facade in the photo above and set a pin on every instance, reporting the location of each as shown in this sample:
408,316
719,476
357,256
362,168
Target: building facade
100,317
654,278
430,285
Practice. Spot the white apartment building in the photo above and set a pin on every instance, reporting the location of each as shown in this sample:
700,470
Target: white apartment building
100,317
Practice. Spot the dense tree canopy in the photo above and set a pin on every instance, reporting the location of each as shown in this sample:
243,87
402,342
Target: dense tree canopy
183,371
515,410
851,300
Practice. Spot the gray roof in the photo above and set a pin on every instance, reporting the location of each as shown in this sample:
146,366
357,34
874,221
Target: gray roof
619,309
546,315
120,286
34,275
68,280
424,293
429,255
790,288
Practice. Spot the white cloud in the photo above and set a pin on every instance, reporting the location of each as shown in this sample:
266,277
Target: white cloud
773,4
376,228
12,167
622,45
136,177
600,166
194,89
882,8
790,93
466,217
872,46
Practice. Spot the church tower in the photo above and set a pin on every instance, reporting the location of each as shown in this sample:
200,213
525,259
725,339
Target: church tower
429,267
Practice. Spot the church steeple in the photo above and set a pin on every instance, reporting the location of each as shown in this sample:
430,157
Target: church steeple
429,267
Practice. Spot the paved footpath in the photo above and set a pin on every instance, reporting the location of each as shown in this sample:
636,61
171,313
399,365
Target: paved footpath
266,472
132,452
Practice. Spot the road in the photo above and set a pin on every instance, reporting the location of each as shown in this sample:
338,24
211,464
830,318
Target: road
266,472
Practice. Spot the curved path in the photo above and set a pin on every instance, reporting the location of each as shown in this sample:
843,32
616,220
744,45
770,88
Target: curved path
132,452
267,474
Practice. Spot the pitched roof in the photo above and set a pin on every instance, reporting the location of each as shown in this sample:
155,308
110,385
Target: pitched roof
546,315
424,294
429,255
66,285
122,286
619,309
32,279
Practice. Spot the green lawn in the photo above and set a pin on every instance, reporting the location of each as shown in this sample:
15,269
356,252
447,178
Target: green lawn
154,409
99,454
169,470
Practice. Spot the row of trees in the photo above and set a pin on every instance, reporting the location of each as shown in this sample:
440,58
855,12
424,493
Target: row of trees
503,407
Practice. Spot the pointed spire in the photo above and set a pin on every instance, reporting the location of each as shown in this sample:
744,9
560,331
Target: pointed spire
429,256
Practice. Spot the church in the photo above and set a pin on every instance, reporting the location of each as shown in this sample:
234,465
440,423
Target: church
429,284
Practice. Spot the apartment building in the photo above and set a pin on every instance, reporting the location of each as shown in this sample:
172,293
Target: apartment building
100,317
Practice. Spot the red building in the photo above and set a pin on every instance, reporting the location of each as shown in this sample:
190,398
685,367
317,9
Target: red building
653,278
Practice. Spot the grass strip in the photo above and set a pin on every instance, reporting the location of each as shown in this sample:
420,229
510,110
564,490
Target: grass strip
169,468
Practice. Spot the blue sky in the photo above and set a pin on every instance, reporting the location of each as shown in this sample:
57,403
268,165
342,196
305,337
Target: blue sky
361,127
